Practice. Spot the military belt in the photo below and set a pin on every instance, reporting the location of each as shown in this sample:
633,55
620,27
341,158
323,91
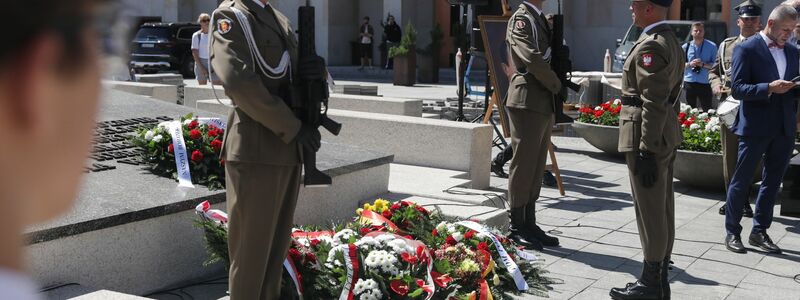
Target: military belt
632,101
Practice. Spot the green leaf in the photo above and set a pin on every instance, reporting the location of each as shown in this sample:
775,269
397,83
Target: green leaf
416,293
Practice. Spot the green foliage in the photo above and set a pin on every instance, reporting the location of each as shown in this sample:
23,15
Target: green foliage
406,43
216,237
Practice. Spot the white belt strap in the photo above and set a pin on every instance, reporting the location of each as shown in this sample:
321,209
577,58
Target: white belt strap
278,72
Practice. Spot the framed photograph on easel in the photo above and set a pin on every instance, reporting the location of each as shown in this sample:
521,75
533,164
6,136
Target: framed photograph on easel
493,31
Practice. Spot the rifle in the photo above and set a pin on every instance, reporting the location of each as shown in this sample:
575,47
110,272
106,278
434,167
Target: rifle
562,66
311,98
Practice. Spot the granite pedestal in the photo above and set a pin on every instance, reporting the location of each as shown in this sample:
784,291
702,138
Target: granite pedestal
131,231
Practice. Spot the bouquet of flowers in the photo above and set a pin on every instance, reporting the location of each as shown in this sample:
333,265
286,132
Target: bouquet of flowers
203,144
604,114
701,130
400,250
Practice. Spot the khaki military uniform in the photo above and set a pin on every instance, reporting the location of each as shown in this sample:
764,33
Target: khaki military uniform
262,160
652,74
720,76
530,103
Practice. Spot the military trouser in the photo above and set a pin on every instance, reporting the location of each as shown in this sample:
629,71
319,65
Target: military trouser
261,200
655,207
530,139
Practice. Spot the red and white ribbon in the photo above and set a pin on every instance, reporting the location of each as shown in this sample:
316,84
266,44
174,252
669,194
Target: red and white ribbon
216,215
294,274
511,266
352,265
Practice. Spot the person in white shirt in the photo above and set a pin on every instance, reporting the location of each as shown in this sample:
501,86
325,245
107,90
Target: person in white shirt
49,90
200,53
365,35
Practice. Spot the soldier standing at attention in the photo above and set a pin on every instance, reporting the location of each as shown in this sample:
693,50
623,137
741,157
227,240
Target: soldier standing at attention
253,52
531,110
720,78
649,136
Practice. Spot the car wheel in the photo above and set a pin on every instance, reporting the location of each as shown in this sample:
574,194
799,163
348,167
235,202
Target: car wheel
187,68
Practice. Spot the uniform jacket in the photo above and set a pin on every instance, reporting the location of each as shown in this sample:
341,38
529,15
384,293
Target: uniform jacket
653,72
720,75
262,126
528,38
762,113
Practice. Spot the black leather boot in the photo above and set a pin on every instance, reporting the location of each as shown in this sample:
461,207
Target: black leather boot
647,287
536,231
666,265
518,232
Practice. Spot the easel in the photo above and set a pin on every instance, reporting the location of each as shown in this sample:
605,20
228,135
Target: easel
487,116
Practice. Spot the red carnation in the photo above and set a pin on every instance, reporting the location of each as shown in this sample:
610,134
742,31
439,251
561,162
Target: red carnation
399,287
396,206
213,133
387,214
314,243
483,246
193,124
295,254
195,134
598,113
450,240
311,258
422,210
197,156
171,148
469,234
216,144
435,232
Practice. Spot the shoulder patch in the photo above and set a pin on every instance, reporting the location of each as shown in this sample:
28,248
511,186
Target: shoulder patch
520,24
224,25
647,59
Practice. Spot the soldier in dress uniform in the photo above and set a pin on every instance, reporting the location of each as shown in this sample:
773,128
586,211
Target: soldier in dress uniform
253,50
531,109
720,77
649,136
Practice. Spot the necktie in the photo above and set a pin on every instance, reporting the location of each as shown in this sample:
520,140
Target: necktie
774,45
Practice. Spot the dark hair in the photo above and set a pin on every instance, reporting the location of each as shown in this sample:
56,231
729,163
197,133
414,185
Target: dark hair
366,18
33,18
698,24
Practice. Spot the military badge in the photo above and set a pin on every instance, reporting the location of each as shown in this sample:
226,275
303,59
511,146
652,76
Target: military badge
224,26
647,60
520,24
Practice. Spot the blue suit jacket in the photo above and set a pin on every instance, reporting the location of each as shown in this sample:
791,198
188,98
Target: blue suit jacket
760,113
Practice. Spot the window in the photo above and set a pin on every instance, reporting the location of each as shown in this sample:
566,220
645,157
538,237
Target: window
187,32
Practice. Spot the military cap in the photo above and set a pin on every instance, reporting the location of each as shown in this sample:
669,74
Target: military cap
749,8
664,3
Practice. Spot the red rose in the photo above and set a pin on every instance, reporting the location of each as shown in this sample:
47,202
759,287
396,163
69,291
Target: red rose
599,113
197,156
171,148
311,258
364,230
450,240
195,134
682,116
422,210
216,144
213,133
435,232
483,246
469,234
387,214
396,206
295,254
193,124
399,287
314,243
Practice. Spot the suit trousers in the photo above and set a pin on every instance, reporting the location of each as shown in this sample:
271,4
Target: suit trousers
261,200
655,207
776,152
530,138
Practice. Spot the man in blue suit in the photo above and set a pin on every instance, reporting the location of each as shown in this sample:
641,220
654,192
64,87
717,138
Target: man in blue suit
766,124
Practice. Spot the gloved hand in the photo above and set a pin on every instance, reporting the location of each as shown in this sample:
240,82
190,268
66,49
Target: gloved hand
311,68
308,138
646,168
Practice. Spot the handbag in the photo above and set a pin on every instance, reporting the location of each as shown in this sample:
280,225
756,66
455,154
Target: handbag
727,110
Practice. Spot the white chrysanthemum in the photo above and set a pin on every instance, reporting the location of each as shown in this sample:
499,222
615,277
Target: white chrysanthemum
703,116
694,110
305,242
367,242
158,138
325,239
149,135
458,236
708,139
685,108
712,111
716,128
343,237
332,254
441,227
398,245
384,238
617,101
694,126
598,108
451,228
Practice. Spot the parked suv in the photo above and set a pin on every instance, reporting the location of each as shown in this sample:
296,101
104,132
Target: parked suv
164,47
715,31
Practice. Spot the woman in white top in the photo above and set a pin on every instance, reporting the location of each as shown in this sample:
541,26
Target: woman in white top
200,52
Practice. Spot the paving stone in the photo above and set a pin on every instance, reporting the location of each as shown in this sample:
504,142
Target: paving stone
594,261
747,291
592,294
768,279
713,273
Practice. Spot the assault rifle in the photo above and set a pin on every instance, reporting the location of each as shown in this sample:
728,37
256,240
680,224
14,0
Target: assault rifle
562,66
311,97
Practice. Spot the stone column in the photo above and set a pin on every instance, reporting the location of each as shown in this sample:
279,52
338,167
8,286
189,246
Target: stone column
675,10
725,16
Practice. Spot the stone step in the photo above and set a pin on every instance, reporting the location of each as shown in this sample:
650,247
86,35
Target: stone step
490,216
431,116
441,184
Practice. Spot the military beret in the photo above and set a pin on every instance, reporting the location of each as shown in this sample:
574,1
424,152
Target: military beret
664,3
749,8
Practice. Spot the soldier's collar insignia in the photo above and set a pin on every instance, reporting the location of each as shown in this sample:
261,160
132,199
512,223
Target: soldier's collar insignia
520,24
647,60
224,26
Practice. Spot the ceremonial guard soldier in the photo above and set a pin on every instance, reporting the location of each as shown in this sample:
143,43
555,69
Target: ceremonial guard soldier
531,109
749,22
253,49
649,137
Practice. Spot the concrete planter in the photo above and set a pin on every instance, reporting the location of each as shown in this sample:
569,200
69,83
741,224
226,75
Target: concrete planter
704,170
405,69
605,138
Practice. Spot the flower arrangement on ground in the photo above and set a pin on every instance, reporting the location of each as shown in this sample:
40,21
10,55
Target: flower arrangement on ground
400,250
701,130
605,114
203,143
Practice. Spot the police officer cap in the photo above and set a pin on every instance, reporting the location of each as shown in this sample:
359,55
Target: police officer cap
749,8
664,3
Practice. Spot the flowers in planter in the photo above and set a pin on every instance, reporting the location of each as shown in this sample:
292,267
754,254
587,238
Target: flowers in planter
202,143
605,114
400,250
701,130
